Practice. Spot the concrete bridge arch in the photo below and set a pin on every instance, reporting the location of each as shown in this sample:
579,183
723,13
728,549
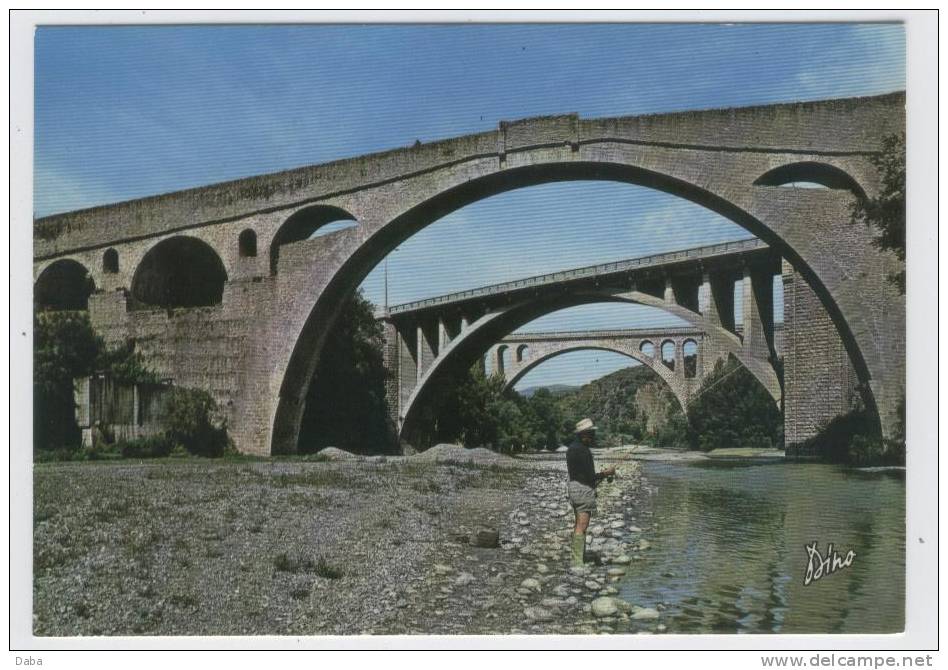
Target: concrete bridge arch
488,331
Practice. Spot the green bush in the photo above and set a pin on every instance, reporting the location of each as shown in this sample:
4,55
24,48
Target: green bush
156,446
674,434
834,442
865,450
855,438
191,420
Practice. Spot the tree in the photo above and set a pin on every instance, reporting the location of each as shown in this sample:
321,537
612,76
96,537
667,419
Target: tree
346,405
732,409
886,212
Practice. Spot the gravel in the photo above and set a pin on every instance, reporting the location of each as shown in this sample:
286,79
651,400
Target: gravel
284,547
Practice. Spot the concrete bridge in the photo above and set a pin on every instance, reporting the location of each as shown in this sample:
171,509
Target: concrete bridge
442,336
221,288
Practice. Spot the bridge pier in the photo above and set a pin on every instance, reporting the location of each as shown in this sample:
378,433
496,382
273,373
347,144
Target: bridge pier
758,312
820,381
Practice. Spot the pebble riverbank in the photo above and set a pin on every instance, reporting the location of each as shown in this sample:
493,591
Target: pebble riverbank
353,546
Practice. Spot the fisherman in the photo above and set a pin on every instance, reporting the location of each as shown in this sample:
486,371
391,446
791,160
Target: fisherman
581,489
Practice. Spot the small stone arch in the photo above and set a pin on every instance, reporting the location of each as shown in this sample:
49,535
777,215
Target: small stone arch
689,355
500,364
110,262
647,347
179,271
64,285
247,243
812,172
523,351
667,354
303,224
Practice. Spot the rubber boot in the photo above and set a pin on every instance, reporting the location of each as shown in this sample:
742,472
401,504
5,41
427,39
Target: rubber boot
577,549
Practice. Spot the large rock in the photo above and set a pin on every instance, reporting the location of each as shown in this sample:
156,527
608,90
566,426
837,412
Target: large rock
464,579
531,584
644,613
605,606
538,614
489,538
335,454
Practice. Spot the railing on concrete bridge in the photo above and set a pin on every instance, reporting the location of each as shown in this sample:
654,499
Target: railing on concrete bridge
587,272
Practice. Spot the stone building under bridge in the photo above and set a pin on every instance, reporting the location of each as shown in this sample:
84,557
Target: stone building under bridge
124,410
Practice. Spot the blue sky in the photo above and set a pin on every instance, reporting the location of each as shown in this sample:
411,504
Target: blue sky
126,112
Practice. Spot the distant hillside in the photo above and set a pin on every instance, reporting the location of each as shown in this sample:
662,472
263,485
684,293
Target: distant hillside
612,403
554,389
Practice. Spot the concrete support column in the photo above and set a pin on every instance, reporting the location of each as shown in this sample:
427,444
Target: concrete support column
758,311
443,337
669,295
679,359
427,348
399,361
464,323
719,289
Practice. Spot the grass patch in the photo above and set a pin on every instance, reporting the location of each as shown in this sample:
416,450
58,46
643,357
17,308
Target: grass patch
315,478
183,600
283,562
300,593
327,570
214,552
141,544
425,486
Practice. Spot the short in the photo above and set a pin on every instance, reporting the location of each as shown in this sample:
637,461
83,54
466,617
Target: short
581,497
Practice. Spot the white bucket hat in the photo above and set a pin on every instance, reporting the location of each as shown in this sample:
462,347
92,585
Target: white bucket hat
584,426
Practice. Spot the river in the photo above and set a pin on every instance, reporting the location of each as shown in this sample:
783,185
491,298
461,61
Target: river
729,552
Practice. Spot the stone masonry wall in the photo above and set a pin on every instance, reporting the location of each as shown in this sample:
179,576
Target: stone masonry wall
820,379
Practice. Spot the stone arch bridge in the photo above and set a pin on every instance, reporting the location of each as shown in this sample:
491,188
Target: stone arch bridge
682,371
223,288
649,346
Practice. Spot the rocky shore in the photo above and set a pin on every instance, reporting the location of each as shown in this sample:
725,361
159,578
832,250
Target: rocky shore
342,547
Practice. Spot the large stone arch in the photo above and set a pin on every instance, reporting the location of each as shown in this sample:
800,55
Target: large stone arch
781,218
64,284
179,271
660,370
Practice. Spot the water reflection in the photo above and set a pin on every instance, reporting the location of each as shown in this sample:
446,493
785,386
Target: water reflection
729,548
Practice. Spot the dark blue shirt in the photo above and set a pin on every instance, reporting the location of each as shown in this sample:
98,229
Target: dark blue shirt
579,464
